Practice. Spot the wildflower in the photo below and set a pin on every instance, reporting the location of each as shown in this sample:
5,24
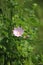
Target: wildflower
18,31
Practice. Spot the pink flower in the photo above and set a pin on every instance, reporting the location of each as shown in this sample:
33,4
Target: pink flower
18,31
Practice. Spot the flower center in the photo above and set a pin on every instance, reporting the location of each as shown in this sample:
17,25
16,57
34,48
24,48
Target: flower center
18,33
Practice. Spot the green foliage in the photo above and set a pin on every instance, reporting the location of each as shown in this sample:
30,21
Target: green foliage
19,50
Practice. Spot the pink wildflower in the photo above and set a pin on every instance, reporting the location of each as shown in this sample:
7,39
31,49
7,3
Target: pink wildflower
18,31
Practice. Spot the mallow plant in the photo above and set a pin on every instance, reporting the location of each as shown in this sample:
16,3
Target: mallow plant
18,32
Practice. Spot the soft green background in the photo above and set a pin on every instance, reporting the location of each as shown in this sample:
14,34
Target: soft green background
28,49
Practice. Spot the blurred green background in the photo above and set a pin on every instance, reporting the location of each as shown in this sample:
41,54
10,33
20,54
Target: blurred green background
28,49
